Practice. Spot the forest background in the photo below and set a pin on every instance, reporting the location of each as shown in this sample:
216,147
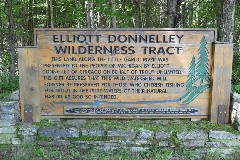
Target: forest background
18,18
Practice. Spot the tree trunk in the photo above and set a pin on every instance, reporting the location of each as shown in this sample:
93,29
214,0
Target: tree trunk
47,13
190,18
227,23
90,18
11,39
137,13
88,14
30,22
77,5
114,19
201,19
51,14
178,14
161,15
184,14
3,65
172,4
148,14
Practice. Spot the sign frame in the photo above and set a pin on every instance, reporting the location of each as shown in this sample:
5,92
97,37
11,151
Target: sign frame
30,92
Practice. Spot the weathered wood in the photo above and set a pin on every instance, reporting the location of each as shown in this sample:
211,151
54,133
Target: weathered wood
86,82
221,79
222,114
55,98
29,87
121,117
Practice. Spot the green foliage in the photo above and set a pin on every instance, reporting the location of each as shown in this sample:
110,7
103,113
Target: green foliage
29,152
45,123
169,125
236,88
236,67
43,138
87,138
206,14
39,152
7,86
122,124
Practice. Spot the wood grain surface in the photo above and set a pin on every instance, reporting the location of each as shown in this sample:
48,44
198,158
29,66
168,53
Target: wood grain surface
131,70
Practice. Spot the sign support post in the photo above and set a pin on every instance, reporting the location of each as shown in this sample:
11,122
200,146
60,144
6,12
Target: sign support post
28,81
221,82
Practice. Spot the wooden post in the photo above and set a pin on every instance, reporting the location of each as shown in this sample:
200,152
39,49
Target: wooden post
28,81
221,82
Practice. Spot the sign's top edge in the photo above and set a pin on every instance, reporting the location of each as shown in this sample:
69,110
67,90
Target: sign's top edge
212,31
125,29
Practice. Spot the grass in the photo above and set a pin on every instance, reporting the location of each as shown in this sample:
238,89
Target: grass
236,88
3,96
87,138
45,123
29,152
153,125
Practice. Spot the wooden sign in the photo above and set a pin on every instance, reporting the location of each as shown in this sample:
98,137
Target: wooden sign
118,73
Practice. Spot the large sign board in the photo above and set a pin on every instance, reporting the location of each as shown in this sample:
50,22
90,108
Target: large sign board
148,73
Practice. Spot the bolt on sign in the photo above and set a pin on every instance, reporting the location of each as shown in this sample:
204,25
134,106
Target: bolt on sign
124,73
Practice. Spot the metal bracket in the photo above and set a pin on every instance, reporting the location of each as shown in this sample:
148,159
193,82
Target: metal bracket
28,113
222,114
